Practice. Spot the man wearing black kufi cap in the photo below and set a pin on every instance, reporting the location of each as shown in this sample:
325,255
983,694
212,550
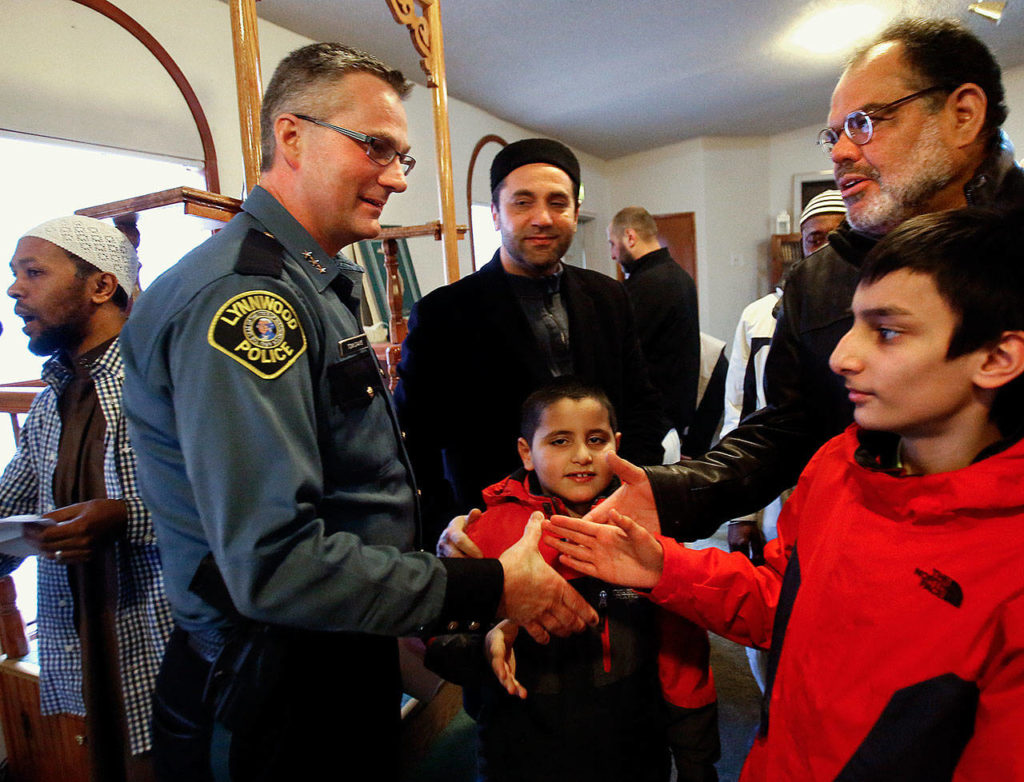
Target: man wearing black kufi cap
477,348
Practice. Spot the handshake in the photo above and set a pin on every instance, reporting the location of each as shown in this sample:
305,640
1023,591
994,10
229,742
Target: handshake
535,596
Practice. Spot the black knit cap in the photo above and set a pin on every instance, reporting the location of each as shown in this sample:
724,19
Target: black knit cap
535,150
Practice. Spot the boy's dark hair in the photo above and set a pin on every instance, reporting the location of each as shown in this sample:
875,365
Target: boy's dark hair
944,53
976,259
565,387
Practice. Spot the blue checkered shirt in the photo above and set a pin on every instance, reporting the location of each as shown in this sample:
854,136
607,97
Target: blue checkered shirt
143,618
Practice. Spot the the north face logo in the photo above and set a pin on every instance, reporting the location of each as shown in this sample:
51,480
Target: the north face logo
941,585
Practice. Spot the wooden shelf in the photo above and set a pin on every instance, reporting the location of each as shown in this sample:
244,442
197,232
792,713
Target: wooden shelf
411,231
786,249
201,203
17,399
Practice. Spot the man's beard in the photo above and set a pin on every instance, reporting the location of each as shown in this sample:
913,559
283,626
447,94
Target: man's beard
66,336
928,171
538,262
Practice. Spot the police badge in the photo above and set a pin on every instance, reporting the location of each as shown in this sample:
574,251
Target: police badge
260,331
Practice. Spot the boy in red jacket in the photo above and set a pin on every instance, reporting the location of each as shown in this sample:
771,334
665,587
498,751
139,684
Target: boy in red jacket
893,599
593,706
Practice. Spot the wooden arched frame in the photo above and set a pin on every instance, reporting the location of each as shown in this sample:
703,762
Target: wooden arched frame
140,33
469,186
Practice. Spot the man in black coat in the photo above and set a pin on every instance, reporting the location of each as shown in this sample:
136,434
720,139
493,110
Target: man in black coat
478,347
664,299
914,128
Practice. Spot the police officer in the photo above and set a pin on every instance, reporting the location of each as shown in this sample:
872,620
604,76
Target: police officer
271,460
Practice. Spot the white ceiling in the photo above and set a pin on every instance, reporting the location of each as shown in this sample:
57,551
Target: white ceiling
613,77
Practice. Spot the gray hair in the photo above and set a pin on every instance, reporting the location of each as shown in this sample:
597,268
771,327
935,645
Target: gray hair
305,82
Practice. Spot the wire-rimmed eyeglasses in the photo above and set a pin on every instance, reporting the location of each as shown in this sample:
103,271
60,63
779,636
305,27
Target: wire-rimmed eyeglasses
379,150
859,126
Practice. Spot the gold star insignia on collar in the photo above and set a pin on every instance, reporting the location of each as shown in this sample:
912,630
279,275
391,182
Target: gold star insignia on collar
308,255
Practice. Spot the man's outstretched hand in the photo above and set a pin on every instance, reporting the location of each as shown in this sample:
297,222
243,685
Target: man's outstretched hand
535,596
633,498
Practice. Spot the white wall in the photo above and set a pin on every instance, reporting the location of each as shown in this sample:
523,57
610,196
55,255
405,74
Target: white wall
1013,83
721,180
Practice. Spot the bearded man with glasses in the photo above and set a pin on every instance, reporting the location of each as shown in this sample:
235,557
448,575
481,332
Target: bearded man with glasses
914,128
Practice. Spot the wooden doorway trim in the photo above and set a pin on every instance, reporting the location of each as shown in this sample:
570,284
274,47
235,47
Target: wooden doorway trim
427,37
469,186
140,33
678,233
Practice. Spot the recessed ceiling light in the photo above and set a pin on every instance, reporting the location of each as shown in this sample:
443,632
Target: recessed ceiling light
993,11
837,29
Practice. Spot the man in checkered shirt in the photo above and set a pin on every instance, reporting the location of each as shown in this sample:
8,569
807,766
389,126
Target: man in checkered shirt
103,617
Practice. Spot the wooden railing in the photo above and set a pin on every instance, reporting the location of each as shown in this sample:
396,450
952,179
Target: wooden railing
15,400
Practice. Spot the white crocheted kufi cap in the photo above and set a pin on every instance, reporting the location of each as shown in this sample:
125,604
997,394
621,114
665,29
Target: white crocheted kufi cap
92,240
826,202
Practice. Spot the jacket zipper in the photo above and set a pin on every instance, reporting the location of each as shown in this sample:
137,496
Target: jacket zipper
606,645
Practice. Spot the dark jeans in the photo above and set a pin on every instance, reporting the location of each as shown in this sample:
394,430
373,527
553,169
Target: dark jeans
333,713
696,747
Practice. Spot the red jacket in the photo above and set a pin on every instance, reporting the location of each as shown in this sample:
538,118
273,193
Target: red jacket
894,608
683,650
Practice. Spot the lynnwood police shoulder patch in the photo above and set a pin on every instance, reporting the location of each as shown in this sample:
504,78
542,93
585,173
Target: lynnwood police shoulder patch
260,331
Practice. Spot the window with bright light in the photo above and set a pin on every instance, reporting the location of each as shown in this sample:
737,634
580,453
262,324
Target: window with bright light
46,178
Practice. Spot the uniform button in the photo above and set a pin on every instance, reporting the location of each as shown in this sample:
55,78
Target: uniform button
419,492
474,625
453,626
403,435
369,391
62,603
69,647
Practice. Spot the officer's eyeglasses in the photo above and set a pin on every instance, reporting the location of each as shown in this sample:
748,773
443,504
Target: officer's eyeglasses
859,126
379,150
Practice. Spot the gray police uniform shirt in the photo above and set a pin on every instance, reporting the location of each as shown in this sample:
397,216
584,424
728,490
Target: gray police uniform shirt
265,435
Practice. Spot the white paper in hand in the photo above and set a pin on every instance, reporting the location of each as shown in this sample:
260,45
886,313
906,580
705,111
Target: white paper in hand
11,541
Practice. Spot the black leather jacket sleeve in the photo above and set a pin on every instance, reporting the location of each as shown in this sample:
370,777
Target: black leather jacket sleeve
745,471
807,404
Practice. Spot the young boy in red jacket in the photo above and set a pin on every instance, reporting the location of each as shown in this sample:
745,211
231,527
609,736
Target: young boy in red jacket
593,706
893,599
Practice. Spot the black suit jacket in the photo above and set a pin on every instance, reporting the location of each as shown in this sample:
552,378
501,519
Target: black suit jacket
471,359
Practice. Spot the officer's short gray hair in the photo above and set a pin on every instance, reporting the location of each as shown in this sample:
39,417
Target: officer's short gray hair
303,84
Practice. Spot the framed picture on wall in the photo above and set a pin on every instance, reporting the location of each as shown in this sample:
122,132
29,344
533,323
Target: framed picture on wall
806,186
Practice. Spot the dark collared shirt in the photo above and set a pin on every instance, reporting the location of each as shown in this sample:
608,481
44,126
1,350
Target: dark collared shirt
541,301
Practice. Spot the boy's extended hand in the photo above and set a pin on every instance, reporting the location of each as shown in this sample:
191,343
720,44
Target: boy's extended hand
621,551
498,645
633,498
454,542
80,529
535,596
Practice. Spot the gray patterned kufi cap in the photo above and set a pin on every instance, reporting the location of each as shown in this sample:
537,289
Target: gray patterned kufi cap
92,240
